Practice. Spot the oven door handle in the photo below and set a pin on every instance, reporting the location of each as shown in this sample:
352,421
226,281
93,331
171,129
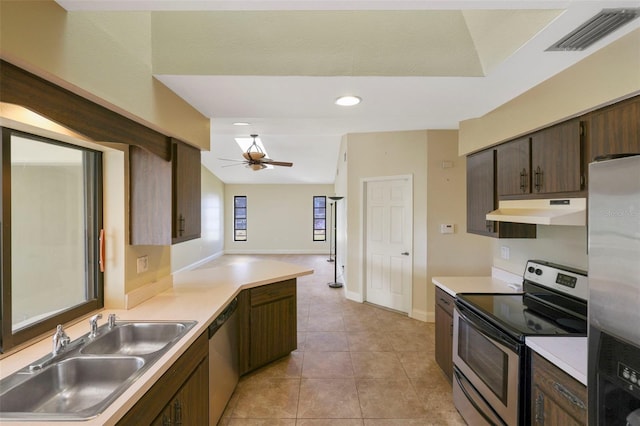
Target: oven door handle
484,328
472,401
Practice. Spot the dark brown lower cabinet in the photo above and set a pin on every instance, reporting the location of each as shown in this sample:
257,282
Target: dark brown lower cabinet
181,395
268,324
444,332
556,397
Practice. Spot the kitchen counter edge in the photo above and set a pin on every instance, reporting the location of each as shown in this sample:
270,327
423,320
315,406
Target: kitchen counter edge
183,301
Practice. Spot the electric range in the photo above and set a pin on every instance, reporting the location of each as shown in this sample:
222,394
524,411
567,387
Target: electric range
489,353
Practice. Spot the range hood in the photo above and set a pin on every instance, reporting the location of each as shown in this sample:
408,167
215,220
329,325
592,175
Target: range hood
567,211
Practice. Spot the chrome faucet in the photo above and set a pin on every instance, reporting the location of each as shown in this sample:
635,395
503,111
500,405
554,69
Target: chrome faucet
93,322
111,320
60,340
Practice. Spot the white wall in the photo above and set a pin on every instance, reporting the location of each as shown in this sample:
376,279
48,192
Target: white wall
279,219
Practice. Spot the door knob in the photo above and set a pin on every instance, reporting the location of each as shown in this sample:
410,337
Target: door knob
405,253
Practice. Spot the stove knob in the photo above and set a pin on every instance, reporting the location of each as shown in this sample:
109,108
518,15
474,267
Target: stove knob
531,269
538,271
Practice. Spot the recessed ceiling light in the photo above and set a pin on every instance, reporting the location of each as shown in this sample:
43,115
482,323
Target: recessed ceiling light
241,123
348,100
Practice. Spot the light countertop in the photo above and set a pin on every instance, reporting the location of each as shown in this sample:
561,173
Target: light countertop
567,353
455,285
198,295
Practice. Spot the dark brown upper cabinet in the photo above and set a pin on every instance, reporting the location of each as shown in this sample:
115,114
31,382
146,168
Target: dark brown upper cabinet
165,195
514,167
547,162
557,161
150,198
186,172
482,199
614,129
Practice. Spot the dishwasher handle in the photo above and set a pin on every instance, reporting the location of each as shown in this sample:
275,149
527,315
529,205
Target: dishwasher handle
223,317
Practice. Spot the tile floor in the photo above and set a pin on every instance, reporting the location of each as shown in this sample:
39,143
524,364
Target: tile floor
356,365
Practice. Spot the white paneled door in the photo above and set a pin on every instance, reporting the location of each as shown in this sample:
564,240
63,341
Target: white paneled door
388,242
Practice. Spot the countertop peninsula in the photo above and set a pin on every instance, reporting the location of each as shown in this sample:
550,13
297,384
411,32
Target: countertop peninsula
199,295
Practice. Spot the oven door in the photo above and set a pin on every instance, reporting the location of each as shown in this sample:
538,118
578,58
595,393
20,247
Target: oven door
489,362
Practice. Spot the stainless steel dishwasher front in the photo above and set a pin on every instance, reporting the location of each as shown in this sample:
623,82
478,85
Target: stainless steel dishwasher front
223,360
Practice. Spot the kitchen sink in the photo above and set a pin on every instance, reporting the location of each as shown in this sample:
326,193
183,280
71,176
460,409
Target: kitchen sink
79,383
73,387
137,338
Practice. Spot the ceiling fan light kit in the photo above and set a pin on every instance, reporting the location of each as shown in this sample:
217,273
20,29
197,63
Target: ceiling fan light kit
255,158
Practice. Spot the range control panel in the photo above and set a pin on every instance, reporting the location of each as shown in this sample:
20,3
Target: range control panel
629,375
561,278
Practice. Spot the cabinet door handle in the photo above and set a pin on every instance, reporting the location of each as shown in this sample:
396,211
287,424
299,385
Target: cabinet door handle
181,225
177,412
166,421
538,179
523,180
566,393
540,409
445,301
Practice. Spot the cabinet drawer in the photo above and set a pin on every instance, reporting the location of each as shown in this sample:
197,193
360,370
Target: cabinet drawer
444,300
272,292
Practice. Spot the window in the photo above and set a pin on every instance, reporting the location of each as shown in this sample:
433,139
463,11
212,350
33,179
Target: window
240,218
319,218
52,216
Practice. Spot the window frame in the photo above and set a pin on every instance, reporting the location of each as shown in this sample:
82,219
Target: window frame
93,276
236,217
324,237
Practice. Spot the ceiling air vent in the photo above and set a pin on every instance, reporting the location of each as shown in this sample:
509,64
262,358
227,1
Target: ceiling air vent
602,24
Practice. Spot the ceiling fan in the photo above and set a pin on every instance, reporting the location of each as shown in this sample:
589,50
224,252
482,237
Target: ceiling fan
256,159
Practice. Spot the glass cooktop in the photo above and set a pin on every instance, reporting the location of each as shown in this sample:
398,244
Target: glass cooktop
522,315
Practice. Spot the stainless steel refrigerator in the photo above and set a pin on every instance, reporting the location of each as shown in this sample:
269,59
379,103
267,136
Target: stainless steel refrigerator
614,291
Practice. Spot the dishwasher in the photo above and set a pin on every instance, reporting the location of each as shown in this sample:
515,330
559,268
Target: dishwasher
223,360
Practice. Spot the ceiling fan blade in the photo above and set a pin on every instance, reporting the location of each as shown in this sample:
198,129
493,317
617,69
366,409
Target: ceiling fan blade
279,163
234,160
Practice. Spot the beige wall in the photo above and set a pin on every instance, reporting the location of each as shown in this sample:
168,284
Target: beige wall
211,243
450,254
439,196
607,75
372,155
279,218
566,245
104,56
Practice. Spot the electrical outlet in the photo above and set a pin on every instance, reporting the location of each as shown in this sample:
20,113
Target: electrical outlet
504,252
142,264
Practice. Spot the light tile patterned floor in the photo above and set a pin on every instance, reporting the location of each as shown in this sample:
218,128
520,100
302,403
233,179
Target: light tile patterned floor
356,365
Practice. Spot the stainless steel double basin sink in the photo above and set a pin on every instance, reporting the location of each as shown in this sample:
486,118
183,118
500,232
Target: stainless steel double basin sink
90,374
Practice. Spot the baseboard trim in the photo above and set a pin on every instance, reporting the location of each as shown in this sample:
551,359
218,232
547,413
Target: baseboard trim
283,251
353,295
